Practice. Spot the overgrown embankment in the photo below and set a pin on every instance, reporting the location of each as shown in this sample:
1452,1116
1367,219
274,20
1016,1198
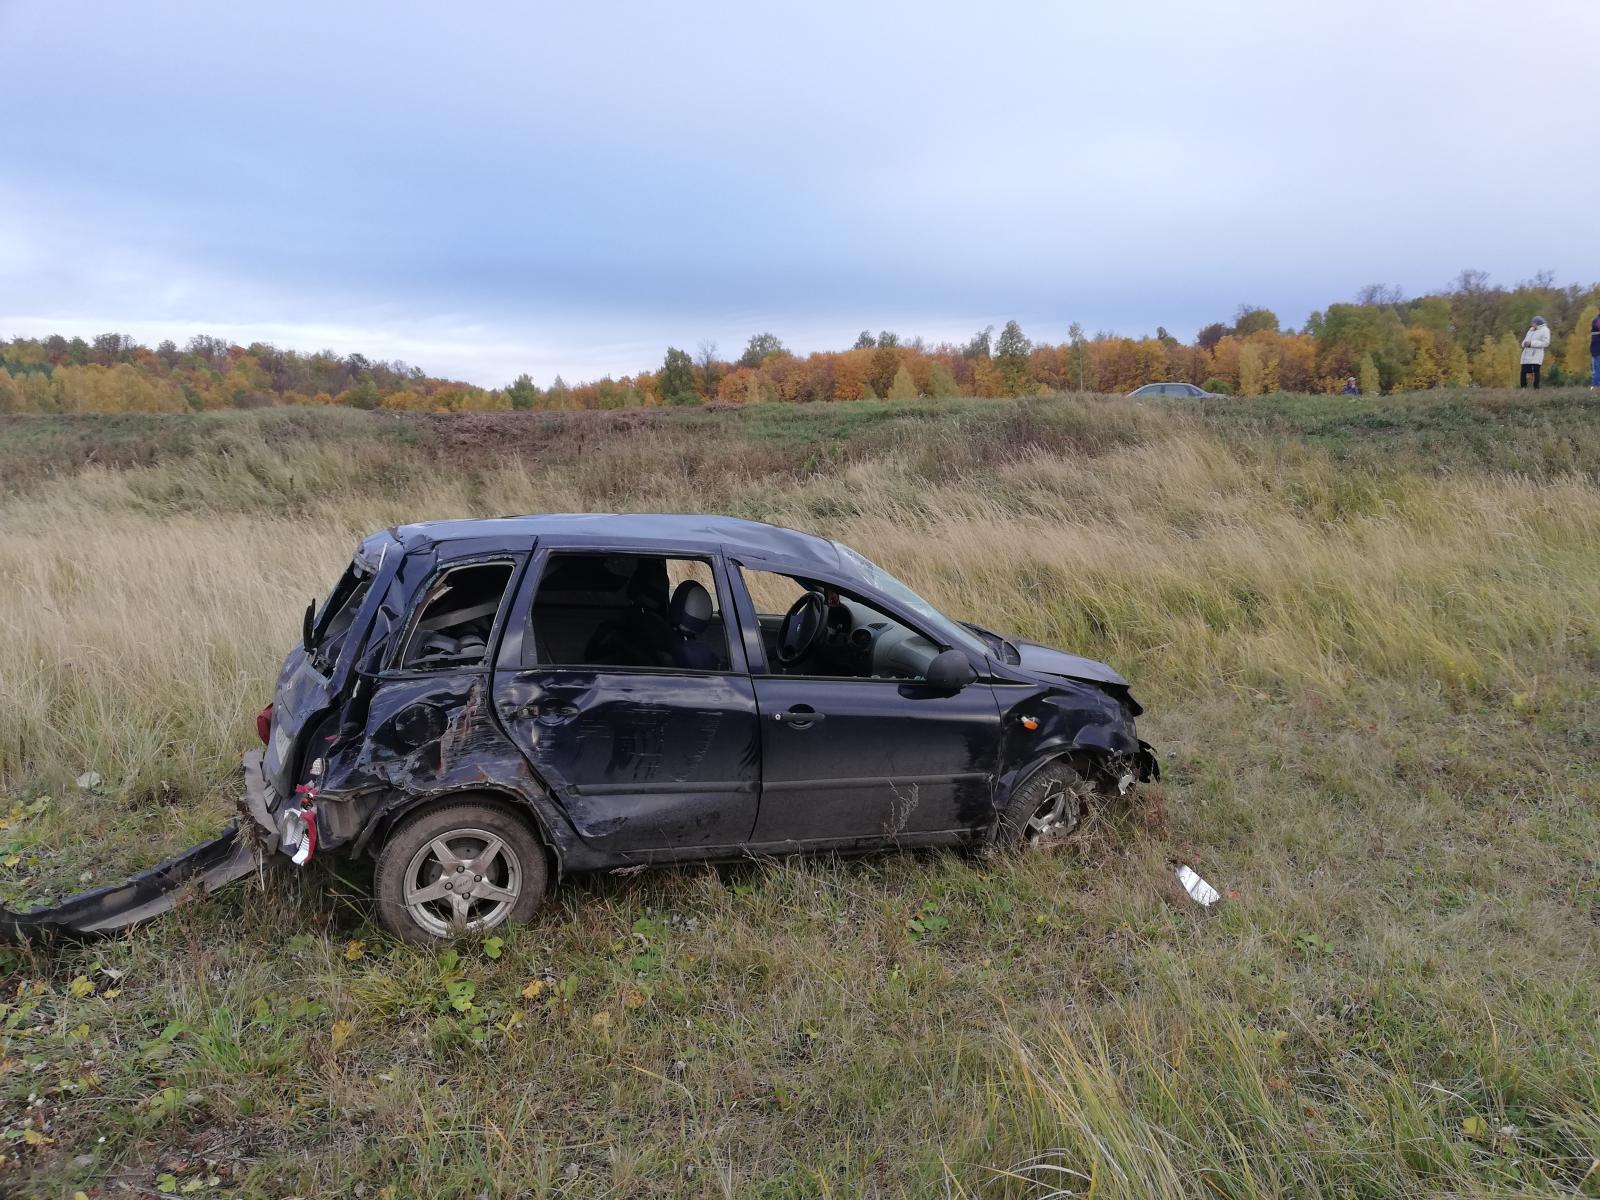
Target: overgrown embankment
1535,434
1366,633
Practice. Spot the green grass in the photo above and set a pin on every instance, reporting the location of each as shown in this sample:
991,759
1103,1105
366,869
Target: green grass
1544,434
1367,636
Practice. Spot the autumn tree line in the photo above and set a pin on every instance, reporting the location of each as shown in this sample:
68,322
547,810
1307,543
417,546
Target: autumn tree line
1467,335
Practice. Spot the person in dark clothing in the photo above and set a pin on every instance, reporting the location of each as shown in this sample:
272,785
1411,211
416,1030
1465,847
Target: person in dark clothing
1351,387
1594,352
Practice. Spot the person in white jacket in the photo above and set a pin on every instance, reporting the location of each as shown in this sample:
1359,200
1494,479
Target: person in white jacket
1534,343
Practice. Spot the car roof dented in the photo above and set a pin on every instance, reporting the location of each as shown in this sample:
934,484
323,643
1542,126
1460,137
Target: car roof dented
678,531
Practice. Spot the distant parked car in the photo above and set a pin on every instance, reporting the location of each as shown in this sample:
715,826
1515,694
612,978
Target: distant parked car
1175,389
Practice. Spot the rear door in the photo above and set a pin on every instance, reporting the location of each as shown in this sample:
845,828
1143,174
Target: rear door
647,756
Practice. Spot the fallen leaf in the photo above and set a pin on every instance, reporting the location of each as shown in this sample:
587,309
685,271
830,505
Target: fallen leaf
1475,1127
531,992
10,860
81,987
355,950
341,1032
33,1137
166,1183
494,946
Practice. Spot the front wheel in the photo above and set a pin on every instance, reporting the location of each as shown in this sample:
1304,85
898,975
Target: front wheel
1047,809
462,867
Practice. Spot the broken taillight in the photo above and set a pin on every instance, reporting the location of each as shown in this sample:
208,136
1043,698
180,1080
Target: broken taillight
264,723
298,832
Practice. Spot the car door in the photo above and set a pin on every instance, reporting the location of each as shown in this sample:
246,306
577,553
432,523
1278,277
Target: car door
847,758
646,757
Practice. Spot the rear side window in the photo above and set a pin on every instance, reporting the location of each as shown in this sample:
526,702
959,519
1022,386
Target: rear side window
339,613
629,610
455,618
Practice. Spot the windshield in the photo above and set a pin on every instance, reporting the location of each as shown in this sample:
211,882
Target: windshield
946,630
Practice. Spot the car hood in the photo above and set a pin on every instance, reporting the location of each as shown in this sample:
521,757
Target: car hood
1046,661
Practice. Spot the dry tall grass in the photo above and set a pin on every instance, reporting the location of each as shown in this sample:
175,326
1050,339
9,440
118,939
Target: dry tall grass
1372,684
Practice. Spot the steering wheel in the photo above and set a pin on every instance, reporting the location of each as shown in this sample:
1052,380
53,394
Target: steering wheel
802,628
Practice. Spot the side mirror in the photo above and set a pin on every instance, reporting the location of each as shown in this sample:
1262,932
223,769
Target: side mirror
950,670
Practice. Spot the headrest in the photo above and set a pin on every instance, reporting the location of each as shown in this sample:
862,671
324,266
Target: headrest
691,607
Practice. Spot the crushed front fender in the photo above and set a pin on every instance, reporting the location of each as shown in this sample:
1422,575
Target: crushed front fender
208,867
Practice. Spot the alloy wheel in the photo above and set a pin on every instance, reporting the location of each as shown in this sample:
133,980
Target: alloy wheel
1055,817
466,879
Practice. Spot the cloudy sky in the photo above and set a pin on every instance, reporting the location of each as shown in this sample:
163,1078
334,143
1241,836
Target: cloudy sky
484,189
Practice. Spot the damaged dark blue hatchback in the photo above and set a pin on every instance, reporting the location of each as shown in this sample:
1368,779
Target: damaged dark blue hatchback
481,705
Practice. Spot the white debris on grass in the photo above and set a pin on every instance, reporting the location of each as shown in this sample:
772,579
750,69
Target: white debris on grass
1199,890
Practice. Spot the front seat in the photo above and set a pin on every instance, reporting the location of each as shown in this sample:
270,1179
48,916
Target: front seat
689,614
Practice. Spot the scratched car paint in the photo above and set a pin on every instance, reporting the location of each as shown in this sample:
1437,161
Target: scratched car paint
483,705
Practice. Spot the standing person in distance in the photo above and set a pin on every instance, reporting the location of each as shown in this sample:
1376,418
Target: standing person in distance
1594,353
1534,344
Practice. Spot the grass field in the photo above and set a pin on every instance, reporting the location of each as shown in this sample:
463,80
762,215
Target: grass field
1367,636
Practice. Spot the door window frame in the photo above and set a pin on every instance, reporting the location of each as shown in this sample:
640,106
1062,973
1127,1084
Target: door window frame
519,652
516,560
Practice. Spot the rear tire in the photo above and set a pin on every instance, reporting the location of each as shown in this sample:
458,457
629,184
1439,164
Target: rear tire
460,867
1047,809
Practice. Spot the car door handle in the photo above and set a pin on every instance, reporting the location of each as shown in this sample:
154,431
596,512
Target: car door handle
801,716
547,712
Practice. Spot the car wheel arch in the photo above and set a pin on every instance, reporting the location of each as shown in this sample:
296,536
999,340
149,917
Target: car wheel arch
390,816
1088,761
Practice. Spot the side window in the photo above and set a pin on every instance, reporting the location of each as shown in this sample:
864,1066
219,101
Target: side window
628,610
812,628
455,618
